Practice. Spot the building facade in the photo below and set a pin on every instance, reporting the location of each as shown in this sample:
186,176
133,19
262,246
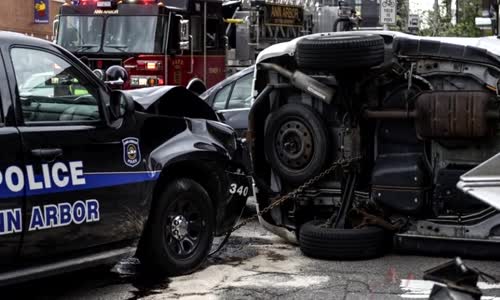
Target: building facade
19,16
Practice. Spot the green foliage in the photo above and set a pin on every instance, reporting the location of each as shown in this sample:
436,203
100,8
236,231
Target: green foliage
402,9
439,21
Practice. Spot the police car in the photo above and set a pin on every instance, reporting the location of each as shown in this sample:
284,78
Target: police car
89,174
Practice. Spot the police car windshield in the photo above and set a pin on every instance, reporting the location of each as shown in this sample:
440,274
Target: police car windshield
80,33
134,34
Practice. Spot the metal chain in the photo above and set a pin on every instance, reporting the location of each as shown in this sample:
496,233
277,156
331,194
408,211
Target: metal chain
341,162
300,189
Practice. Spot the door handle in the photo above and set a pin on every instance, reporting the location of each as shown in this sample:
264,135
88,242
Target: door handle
47,153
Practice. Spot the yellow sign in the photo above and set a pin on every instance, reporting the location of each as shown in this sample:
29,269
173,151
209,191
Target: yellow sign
288,15
234,21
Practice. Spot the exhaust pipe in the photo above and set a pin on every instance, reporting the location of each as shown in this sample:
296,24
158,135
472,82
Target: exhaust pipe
303,82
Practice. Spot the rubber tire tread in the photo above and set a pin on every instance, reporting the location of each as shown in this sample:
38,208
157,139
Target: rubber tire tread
340,52
155,256
342,244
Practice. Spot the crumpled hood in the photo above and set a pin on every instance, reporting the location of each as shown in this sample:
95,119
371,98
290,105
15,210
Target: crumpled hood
147,96
172,100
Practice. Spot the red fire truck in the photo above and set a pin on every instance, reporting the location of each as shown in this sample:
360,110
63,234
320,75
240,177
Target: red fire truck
178,42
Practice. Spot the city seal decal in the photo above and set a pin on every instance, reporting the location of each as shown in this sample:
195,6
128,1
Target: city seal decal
131,152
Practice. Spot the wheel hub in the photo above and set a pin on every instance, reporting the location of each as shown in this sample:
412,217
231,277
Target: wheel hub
179,227
294,144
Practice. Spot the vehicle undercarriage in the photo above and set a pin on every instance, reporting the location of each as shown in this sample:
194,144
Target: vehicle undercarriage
417,113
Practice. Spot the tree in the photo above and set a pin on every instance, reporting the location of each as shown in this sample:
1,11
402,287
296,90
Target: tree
439,20
447,6
402,9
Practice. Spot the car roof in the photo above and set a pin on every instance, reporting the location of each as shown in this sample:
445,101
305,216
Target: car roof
237,75
9,37
226,81
13,38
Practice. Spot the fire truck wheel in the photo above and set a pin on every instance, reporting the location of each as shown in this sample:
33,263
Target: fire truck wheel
340,52
180,231
318,241
296,142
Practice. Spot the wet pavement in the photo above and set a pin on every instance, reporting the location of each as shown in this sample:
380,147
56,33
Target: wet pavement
257,264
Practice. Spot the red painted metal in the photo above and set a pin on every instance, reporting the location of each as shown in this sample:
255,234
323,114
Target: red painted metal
179,69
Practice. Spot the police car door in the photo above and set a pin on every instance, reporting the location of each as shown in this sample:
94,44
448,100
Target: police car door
11,196
76,167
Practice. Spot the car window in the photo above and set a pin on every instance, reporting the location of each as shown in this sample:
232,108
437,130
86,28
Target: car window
52,90
241,97
221,97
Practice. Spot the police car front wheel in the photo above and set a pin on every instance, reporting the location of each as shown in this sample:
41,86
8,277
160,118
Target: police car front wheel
181,229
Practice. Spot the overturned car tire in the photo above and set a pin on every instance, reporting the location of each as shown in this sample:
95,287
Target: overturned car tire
340,52
296,142
319,241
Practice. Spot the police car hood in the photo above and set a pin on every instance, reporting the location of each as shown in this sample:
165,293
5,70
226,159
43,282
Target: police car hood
491,44
171,100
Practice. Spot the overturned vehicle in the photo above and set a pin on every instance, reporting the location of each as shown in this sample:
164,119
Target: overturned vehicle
358,142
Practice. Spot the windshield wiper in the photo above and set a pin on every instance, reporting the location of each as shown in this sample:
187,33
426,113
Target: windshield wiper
81,48
117,47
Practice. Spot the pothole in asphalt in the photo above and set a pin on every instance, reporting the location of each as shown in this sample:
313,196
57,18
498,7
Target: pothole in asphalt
128,271
273,256
280,280
238,250
233,257
147,286
235,241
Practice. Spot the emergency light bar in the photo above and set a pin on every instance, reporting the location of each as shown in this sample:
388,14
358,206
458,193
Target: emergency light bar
140,1
112,3
97,3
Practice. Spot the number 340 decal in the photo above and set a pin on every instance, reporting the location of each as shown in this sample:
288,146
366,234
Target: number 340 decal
240,190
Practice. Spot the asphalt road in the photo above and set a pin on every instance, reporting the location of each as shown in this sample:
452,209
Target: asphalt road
257,264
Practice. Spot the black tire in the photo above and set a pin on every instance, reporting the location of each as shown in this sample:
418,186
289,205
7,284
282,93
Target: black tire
307,132
344,244
162,253
337,52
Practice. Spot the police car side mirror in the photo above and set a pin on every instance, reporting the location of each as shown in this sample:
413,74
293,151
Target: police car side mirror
120,105
116,76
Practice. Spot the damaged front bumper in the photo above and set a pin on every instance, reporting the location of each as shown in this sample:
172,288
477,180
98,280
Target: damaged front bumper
239,187
483,182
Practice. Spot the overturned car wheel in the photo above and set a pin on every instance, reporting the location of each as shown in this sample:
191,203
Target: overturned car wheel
181,228
320,241
296,142
340,52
